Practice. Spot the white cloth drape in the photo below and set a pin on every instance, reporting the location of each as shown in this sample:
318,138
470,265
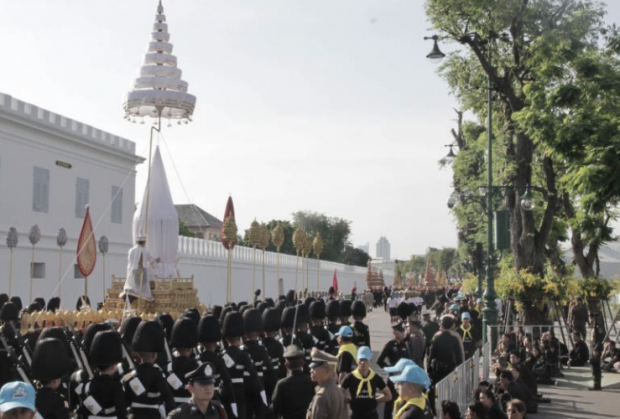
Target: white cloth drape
160,224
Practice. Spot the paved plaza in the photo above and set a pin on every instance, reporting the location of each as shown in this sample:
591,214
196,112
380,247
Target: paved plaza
569,399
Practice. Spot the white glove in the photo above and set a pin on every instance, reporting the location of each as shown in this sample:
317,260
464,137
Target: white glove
263,396
233,406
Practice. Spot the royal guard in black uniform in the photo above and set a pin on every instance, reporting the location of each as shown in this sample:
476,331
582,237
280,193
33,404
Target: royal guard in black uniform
103,396
257,403
127,331
240,366
209,334
65,384
183,340
362,334
167,323
50,362
345,312
302,333
147,392
333,323
286,326
271,325
317,312
80,377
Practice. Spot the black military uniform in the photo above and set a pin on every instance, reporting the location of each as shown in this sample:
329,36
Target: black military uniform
304,339
184,336
333,326
240,366
345,312
429,327
146,389
257,402
271,324
103,396
127,330
286,324
209,333
292,394
445,353
362,334
190,410
50,361
9,313
324,341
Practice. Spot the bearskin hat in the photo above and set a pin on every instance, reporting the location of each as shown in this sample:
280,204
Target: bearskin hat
184,333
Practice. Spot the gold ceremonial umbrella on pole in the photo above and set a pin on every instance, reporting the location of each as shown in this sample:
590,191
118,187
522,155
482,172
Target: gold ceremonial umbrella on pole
277,238
307,251
61,241
255,241
264,235
318,248
34,237
298,242
12,239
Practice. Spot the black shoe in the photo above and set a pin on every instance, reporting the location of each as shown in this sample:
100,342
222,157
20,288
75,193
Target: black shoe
595,389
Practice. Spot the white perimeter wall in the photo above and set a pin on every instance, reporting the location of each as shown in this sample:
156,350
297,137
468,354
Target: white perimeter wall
204,259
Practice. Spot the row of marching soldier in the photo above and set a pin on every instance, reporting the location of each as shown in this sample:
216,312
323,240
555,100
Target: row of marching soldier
259,360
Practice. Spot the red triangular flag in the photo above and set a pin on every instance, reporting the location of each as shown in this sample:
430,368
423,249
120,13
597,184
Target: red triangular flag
229,212
87,247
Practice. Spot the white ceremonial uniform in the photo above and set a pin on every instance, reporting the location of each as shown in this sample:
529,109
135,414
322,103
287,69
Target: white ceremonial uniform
132,283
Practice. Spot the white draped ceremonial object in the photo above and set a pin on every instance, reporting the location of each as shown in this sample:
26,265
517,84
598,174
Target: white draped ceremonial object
159,223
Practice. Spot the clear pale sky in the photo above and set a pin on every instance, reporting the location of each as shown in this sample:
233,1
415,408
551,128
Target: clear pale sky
322,105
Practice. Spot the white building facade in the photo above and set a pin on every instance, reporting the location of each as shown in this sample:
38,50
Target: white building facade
50,168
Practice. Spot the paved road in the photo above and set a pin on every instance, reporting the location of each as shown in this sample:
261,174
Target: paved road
568,401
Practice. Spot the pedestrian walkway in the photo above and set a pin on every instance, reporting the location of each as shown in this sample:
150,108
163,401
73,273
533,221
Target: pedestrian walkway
570,399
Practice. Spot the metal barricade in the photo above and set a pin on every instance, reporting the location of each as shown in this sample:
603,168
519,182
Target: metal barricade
459,385
486,361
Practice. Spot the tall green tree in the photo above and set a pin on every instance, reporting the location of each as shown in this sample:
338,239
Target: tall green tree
512,43
334,231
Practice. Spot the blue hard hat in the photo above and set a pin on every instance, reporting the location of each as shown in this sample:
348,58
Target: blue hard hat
345,332
414,375
454,307
400,366
465,315
364,352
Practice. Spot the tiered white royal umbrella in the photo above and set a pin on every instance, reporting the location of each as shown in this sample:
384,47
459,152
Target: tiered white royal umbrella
159,92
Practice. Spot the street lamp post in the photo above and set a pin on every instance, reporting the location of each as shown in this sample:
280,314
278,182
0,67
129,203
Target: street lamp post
490,306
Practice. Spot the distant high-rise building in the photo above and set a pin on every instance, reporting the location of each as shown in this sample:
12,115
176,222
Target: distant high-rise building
383,248
364,247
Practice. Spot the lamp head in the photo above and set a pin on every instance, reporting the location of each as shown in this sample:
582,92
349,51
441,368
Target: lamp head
436,56
527,202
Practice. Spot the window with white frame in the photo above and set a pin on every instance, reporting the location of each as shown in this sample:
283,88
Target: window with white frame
41,190
81,197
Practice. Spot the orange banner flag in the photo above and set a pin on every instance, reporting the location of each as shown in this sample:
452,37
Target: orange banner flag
87,247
